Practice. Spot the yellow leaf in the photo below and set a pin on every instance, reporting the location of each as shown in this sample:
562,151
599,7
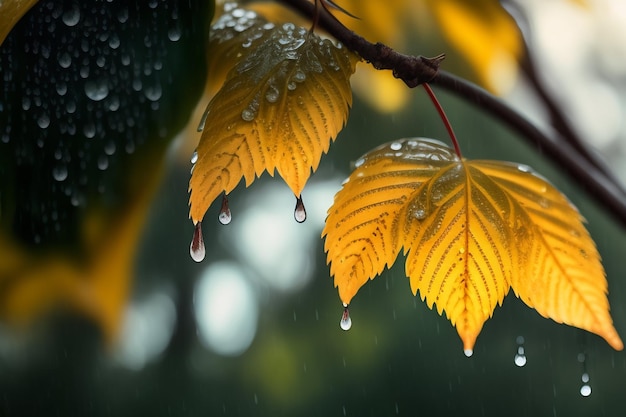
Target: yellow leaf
471,230
11,11
279,108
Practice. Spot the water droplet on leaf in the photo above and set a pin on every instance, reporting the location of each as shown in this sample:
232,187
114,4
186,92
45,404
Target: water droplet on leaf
225,216
468,352
346,321
300,212
196,249
248,115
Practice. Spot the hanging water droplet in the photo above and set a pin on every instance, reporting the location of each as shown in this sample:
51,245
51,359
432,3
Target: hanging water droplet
468,352
225,216
346,321
300,212
196,249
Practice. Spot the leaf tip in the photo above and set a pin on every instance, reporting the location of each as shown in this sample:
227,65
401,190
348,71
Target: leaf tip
612,338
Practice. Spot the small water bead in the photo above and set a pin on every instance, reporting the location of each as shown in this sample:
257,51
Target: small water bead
299,76
359,162
346,321
419,214
248,115
196,249
396,146
272,94
194,157
299,212
225,216
468,352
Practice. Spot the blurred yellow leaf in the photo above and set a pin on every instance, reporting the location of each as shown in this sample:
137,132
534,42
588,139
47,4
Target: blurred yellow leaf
95,281
472,230
11,11
486,35
281,105
480,39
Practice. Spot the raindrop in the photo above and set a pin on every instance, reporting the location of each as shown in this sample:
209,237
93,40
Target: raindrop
520,355
59,173
153,93
468,352
396,146
300,212
225,216
359,162
585,390
96,90
174,34
196,249
194,157
65,60
103,162
61,88
89,130
43,121
71,17
346,321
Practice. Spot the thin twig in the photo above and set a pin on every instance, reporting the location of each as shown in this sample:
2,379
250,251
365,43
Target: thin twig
415,70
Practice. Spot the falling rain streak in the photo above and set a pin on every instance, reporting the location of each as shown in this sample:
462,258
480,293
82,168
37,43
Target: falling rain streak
225,217
346,321
520,355
196,249
300,212
585,389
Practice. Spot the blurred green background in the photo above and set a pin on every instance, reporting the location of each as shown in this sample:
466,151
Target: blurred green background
253,330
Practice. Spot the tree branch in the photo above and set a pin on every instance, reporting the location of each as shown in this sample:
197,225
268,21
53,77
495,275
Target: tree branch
415,70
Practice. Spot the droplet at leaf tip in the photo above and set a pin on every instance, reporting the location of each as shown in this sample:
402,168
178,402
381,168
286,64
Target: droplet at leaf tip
346,321
299,212
197,249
